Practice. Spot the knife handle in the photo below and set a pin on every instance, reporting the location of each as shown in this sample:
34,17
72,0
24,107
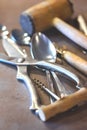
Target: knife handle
64,104
70,32
76,61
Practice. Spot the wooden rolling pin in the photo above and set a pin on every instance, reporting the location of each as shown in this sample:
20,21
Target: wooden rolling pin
52,13
64,104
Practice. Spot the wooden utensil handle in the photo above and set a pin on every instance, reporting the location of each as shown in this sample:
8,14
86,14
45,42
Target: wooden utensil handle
70,32
46,112
39,17
76,61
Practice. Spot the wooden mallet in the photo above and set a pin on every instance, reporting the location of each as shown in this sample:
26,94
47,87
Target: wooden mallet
52,13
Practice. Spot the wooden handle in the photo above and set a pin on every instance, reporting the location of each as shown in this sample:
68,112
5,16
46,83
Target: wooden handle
70,32
47,112
76,61
39,17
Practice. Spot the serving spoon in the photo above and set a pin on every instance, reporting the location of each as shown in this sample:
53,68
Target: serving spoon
43,49
24,39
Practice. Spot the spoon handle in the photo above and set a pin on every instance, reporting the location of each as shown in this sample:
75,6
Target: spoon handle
64,104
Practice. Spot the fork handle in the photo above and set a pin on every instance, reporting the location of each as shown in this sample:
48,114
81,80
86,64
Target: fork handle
64,104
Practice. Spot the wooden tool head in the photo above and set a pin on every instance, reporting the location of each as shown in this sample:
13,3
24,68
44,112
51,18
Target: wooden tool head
39,17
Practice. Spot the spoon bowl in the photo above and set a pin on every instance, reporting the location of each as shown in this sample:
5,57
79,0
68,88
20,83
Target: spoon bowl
43,48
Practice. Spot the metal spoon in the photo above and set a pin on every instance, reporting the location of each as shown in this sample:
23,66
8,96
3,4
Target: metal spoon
43,49
23,38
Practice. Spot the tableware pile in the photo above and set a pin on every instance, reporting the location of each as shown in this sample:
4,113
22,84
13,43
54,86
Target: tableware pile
43,56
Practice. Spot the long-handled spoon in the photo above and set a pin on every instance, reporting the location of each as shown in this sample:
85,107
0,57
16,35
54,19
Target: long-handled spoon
43,49
73,59
23,38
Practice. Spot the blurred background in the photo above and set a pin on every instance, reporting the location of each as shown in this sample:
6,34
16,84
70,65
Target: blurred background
10,10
